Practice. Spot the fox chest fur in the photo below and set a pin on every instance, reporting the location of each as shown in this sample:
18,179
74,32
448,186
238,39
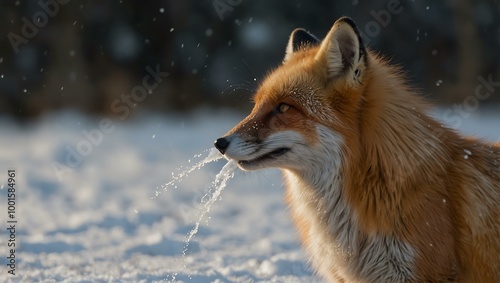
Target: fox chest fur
333,237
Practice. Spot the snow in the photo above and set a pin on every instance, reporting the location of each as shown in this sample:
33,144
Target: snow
110,219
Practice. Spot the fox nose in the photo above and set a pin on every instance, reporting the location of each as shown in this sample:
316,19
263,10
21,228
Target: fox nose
221,144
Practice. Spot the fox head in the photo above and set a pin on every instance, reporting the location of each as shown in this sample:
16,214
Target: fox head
306,107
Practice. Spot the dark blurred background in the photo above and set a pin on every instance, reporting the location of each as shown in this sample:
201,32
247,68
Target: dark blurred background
86,55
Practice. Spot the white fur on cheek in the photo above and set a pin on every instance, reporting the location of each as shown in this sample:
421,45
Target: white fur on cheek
239,148
336,242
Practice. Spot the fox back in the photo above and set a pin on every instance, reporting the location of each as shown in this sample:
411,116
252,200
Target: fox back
378,190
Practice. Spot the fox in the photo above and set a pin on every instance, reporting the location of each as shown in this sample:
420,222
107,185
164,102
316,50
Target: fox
378,190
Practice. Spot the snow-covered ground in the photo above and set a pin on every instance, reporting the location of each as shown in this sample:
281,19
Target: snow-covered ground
95,218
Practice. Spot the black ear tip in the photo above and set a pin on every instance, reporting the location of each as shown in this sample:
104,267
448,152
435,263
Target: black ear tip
298,31
300,34
354,27
301,37
348,21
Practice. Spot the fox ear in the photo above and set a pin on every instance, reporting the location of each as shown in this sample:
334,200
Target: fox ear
343,51
299,39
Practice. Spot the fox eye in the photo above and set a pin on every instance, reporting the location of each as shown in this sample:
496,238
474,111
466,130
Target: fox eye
282,108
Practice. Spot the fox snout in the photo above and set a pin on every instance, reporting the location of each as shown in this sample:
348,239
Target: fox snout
252,154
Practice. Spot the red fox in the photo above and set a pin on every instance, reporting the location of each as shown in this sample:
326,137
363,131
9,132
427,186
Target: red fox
378,190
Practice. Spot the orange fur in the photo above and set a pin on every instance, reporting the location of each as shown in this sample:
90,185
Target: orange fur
403,177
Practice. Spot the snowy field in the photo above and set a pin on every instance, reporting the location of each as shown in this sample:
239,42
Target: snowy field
96,218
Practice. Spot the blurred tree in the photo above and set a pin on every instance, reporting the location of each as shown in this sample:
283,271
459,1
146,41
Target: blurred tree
86,55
